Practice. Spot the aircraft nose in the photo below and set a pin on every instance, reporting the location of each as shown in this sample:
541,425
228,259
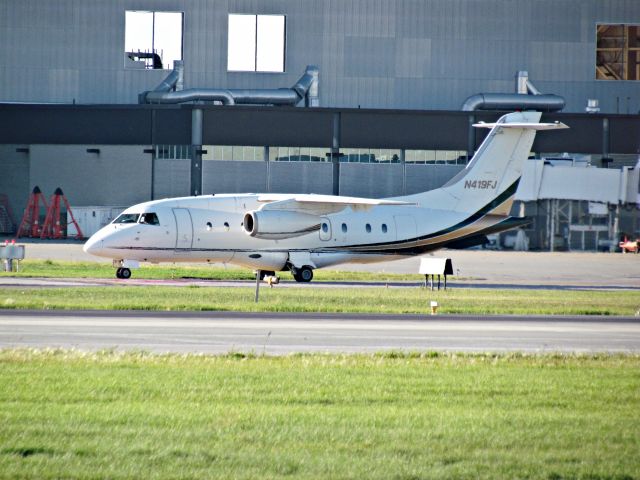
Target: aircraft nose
93,246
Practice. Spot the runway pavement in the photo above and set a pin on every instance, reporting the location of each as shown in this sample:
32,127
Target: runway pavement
278,334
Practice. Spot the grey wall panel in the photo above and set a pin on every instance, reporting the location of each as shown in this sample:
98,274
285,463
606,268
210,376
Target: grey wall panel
172,178
409,129
171,126
586,135
422,178
14,179
301,177
118,175
272,127
233,177
75,124
371,180
625,135
404,130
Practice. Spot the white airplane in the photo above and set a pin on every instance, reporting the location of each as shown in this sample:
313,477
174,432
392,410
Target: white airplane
302,232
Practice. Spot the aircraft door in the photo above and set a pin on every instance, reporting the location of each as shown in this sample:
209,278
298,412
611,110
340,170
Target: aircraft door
325,229
184,228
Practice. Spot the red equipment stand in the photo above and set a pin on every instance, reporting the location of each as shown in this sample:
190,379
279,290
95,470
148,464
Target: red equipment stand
30,225
54,225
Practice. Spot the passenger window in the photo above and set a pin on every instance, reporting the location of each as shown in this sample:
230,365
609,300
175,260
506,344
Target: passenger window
325,227
127,218
344,228
226,226
149,219
384,228
368,228
209,226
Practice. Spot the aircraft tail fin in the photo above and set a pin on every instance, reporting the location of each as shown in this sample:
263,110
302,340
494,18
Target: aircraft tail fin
491,177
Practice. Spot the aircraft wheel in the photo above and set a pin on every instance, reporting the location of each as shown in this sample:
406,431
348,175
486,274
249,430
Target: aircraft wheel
119,273
125,273
303,274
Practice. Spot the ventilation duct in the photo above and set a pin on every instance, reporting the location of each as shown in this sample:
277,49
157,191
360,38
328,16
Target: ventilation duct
513,101
168,92
528,97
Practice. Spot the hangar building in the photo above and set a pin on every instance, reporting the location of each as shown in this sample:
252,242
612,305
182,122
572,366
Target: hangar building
383,117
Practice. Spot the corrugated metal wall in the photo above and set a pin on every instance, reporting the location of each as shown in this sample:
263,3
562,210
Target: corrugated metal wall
424,54
118,175
14,179
121,175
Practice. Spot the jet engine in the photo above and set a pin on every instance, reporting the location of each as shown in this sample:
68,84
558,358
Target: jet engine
277,224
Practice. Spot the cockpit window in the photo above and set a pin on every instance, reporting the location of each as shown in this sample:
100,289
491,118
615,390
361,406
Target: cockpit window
127,218
149,218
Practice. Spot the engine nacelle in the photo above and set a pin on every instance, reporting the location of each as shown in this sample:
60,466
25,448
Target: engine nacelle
277,224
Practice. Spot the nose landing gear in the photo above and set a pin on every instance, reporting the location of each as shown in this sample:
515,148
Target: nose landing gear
123,273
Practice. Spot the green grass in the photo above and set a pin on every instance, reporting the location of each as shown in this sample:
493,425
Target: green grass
64,269
109,415
279,299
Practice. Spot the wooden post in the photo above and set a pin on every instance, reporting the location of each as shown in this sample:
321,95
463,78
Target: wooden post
258,273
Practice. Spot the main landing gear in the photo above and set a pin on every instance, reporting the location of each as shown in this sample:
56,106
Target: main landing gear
123,273
302,274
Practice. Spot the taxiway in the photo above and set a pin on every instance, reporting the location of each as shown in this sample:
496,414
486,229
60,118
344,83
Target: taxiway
284,333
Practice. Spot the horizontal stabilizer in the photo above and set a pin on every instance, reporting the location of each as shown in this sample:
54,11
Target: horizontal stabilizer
529,126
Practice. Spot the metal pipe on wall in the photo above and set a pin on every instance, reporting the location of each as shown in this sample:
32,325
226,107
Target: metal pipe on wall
305,88
513,101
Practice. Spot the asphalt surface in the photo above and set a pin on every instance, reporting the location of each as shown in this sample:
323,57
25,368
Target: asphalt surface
279,334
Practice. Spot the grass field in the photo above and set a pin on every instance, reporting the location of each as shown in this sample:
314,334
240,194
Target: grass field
64,269
376,300
109,415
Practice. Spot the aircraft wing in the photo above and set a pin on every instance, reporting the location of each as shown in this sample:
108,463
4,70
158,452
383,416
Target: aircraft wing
322,204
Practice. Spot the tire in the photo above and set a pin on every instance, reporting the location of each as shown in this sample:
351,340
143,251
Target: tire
119,273
125,273
303,274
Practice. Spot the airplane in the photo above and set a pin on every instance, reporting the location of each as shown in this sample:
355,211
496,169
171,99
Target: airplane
302,232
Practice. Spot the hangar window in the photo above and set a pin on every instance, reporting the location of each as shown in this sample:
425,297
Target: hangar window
299,154
450,157
256,43
237,153
152,40
173,152
617,52
370,155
